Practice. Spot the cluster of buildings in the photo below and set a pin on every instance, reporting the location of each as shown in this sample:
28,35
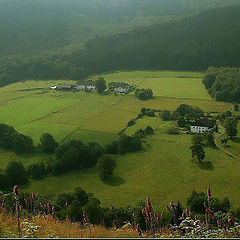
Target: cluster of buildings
90,85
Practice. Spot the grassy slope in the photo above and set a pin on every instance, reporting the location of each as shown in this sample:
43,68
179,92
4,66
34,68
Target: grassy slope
164,171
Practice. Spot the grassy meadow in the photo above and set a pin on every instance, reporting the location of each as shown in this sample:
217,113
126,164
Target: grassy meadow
163,170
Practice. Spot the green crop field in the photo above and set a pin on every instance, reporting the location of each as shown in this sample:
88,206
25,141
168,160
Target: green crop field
163,170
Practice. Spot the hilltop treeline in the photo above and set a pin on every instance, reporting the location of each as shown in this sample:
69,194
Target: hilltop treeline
210,38
47,65
27,25
193,43
223,84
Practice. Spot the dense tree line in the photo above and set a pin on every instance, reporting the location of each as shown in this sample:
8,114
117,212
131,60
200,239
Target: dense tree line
43,66
193,43
21,144
11,139
125,144
76,155
223,84
184,114
28,25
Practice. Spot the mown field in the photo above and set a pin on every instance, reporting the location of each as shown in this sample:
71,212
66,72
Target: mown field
164,170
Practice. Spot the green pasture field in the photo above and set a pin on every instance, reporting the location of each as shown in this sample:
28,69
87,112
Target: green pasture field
26,160
177,87
163,170
163,83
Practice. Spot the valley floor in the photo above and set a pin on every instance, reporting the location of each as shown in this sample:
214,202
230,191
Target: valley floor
164,170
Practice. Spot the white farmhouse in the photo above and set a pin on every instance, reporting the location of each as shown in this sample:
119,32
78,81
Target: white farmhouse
203,125
86,85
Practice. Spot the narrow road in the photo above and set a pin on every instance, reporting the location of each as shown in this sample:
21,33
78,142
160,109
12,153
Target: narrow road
217,137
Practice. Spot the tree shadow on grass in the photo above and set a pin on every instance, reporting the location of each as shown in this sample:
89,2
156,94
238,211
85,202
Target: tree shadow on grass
206,165
114,181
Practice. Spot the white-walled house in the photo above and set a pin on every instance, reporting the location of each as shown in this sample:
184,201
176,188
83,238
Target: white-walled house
86,85
200,129
203,125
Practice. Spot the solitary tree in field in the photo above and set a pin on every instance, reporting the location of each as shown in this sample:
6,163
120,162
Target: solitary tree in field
101,85
197,147
230,125
106,166
236,107
198,152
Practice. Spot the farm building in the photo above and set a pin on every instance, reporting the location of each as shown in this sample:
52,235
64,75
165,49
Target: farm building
64,87
119,87
203,125
86,85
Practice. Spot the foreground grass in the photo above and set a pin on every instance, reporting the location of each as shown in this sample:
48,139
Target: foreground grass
48,227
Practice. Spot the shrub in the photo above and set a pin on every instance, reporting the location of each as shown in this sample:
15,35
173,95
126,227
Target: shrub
144,94
149,130
166,115
140,133
131,123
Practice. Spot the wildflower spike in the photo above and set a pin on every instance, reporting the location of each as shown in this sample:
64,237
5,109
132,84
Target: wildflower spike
139,230
15,190
209,194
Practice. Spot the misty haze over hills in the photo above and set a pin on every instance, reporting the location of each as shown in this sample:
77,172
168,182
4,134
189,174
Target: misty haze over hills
30,25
